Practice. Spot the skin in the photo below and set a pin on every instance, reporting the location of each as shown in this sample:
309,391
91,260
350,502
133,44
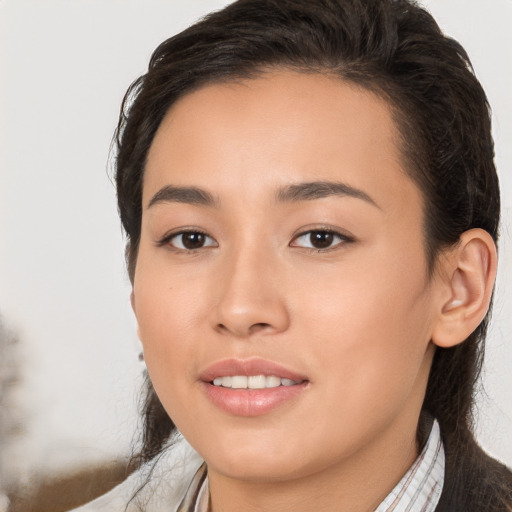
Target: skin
357,318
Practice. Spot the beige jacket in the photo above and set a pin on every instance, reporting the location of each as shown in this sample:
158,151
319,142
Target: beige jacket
162,483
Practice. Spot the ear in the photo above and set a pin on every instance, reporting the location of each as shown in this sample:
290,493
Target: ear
468,273
132,302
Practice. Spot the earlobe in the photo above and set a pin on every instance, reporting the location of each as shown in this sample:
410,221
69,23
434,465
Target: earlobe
132,302
470,271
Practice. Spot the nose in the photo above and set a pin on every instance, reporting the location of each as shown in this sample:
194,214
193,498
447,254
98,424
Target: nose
250,297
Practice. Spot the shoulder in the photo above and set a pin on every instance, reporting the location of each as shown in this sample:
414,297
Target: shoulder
475,482
157,486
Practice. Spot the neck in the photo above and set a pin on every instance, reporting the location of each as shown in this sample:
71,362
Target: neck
358,483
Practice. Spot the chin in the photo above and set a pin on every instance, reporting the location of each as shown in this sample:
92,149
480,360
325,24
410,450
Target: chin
262,469
263,461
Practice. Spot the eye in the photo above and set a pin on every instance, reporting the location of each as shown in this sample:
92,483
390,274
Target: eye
190,240
320,239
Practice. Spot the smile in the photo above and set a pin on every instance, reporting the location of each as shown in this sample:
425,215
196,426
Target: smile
251,387
252,382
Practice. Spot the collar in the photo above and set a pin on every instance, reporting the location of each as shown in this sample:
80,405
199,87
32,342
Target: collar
420,488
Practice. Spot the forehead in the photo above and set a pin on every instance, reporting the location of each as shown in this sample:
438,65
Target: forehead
282,127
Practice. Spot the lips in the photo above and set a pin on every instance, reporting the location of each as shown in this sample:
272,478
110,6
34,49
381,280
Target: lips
251,387
249,367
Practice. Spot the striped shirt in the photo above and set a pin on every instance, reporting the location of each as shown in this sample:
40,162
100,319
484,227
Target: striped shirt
418,491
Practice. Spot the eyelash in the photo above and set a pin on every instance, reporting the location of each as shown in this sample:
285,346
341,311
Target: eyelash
342,240
166,240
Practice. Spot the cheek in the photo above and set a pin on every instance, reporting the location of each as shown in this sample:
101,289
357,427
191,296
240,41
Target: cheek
168,309
170,355
383,293
370,323
165,302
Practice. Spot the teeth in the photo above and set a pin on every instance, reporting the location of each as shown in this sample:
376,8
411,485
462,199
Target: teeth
222,381
238,382
272,381
256,382
252,382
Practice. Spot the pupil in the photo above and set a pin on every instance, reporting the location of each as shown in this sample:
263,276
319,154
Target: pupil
193,240
321,239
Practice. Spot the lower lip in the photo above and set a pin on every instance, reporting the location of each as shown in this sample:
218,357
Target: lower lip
251,402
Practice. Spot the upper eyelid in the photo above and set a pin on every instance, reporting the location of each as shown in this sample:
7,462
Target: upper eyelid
326,229
167,237
344,239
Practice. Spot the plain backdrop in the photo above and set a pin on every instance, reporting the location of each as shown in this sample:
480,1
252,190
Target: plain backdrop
64,67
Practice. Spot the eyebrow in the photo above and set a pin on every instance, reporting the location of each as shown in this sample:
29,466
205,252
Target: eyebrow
319,190
289,194
189,195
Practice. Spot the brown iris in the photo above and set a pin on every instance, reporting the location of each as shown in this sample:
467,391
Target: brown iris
193,240
321,239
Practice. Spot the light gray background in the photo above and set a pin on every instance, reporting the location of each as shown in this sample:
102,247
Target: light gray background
64,67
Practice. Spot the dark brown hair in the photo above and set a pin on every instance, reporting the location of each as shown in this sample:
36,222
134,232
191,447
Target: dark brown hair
395,49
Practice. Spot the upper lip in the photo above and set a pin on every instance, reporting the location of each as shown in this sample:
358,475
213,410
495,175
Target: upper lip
247,367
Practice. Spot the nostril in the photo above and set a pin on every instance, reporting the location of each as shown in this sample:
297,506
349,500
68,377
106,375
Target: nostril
222,328
259,327
253,329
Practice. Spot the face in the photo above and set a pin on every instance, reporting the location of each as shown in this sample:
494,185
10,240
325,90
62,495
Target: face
281,285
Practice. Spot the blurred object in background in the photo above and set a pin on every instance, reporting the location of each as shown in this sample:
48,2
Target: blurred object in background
10,424
39,490
59,493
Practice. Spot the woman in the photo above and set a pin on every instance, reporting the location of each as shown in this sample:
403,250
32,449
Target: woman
312,207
